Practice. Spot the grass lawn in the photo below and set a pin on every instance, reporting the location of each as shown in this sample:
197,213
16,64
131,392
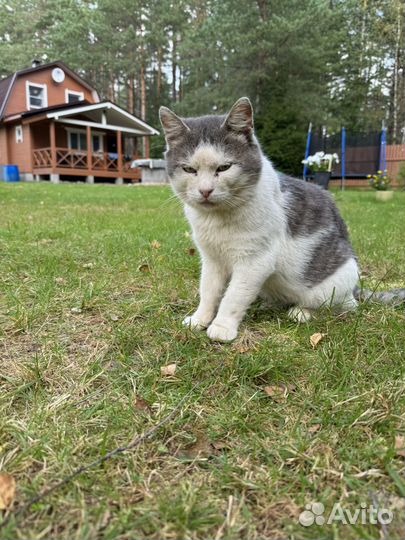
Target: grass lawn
94,283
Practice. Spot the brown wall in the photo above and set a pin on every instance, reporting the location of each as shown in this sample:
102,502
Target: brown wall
40,135
56,92
19,153
61,136
395,160
3,146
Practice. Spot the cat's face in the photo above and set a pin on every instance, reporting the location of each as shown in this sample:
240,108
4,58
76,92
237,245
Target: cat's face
213,161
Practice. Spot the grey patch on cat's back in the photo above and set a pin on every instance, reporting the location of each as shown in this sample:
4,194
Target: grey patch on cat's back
310,209
329,255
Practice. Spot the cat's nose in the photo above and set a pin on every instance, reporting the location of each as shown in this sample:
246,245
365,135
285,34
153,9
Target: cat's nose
205,192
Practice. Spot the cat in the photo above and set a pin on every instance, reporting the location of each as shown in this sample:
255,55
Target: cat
259,232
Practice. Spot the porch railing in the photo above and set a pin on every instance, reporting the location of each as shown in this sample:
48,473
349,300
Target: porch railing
42,158
71,159
77,159
106,161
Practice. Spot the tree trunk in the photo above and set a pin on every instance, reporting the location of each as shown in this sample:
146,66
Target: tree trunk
143,92
396,78
181,87
143,107
131,107
262,5
111,88
159,73
363,34
174,69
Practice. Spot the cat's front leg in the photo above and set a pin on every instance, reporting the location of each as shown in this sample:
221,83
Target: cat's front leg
243,289
212,285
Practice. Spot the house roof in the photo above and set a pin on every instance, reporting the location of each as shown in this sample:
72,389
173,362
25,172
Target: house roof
5,87
40,112
7,83
104,114
51,108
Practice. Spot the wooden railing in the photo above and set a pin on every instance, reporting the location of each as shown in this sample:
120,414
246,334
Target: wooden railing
104,161
72,159
77,159
42,157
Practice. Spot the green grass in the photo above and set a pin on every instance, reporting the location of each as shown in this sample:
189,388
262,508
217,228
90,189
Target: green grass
91,309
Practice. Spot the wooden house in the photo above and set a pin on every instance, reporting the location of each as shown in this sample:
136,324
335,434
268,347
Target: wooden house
54,126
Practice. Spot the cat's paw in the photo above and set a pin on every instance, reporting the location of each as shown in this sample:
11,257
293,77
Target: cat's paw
217,332
195,323
299,314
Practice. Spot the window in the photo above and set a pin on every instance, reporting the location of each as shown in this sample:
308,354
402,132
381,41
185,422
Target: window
37,97
77,140
97,143
19,138
73,97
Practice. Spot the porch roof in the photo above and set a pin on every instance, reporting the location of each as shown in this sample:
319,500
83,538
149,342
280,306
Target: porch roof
105,115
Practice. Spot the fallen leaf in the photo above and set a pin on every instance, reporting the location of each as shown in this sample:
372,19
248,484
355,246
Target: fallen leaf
202,448
400,445
168,370
277,392
242,349
181,338
155,244
316,338
314,428
191,251
144,268
7,490
220,445
141,405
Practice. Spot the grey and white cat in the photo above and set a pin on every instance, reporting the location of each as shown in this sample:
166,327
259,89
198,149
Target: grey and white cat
259,232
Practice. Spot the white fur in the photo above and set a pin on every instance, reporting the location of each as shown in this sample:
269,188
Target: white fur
248,251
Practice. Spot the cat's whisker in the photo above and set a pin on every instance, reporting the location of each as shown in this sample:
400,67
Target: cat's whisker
171,199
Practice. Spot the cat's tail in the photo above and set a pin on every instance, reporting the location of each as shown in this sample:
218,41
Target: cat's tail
392,297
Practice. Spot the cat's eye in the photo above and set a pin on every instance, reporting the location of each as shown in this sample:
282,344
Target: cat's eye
223,168
189,170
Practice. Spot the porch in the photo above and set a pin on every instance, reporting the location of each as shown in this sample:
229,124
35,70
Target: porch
67,161
94,141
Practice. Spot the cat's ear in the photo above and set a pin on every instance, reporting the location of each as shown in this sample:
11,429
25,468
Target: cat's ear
173,126
240,117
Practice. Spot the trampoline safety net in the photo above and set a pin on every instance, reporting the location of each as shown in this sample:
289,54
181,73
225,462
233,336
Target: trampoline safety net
362,152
